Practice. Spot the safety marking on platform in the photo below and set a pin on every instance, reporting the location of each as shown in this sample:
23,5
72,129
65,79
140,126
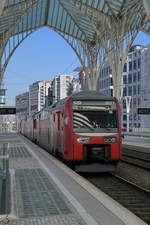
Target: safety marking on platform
15,152
38,195
88,219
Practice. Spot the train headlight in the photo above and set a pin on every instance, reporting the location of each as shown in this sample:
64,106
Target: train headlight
83,140
110,140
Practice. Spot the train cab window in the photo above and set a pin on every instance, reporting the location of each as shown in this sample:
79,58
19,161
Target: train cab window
96,118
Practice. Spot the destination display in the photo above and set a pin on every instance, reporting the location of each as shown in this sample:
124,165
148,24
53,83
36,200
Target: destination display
143,111
7,111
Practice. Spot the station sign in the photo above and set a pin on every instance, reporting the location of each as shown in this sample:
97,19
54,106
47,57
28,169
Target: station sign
143,111
7,110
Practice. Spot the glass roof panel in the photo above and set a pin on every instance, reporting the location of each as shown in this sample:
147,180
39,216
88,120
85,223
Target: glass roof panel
77,18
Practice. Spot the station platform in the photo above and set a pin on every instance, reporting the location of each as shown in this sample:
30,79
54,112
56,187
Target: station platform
43,191
137,134
139,141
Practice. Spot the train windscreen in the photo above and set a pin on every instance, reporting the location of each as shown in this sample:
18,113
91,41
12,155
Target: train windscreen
95,120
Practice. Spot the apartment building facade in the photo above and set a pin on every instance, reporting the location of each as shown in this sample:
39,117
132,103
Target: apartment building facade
38,92
22,105
62,86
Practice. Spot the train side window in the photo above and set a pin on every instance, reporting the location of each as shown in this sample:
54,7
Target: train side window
58,116
34,124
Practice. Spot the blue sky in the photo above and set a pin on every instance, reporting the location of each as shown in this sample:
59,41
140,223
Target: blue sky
43,55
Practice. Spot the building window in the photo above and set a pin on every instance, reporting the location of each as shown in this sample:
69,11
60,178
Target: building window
111,81
111,92
134,77
124,103
139,89
139,75
130,66
130,91
134,90
125,68
130,78
124,91
125,79
134,64
131,103
139,63
134,102
139,101
124,117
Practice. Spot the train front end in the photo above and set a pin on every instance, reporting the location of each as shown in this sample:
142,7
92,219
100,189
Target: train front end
97,133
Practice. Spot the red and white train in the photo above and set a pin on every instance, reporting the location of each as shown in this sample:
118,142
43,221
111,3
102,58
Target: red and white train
83,129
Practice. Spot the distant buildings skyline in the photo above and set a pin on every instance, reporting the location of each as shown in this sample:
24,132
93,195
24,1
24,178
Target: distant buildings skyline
43,93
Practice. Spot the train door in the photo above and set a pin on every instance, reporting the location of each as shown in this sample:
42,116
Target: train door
34,127
58,131
51,132
62,133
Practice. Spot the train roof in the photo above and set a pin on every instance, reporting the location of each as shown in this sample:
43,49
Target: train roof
82,95
91,95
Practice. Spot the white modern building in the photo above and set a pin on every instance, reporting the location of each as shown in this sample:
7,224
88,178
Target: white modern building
38,92
145,85
132,86
136,83
22,105
62,86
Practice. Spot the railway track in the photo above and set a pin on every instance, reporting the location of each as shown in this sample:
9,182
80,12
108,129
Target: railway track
132,197
135,156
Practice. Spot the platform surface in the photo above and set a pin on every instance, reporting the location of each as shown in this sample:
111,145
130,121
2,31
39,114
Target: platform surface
139,141
43,191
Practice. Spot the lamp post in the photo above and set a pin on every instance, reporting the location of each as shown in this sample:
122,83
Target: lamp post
128,101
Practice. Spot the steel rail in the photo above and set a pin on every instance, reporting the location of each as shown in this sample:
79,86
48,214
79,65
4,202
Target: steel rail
133,197
136,157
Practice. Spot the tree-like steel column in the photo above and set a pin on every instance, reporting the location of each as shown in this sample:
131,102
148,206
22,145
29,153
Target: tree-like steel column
116,34
95,61
91,56
146,4
2,3
12,38
117,43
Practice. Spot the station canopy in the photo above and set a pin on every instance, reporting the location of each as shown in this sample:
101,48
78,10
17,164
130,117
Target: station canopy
76,18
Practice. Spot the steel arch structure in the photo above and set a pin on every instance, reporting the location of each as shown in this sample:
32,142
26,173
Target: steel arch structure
95,29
